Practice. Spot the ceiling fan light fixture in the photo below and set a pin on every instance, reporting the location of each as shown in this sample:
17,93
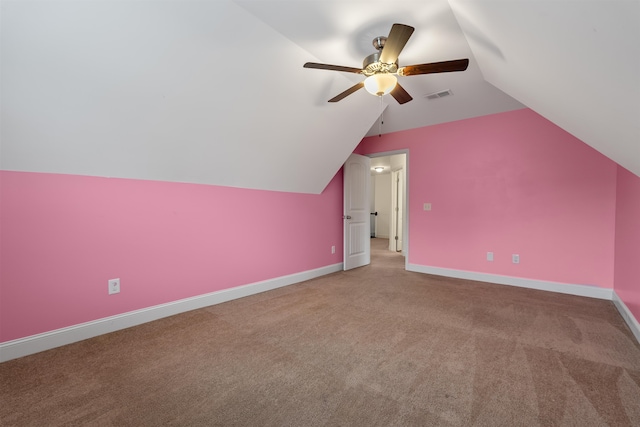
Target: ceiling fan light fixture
380,84
381,67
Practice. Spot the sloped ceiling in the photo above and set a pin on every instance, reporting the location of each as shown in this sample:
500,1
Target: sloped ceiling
199,92
577,63
214,92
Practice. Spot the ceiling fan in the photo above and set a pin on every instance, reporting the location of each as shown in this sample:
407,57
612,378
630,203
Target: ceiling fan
381,68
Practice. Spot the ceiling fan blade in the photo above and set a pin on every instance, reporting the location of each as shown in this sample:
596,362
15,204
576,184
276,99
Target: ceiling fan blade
434,67
398,37
332,67
401,95
347,92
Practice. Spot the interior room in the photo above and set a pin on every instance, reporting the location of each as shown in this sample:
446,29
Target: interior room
161,159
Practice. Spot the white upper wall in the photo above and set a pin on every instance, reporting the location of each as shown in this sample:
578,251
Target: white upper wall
199,92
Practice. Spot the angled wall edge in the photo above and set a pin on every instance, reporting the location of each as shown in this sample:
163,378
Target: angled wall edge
627,316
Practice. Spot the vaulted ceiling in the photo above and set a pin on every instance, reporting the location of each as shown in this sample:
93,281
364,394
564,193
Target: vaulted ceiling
214,92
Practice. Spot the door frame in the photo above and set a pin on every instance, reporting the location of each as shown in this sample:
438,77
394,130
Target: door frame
397,202
405,219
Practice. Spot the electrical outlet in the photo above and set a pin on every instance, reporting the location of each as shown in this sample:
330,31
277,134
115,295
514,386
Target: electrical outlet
114,286
427,206
515,258
333,249
489,256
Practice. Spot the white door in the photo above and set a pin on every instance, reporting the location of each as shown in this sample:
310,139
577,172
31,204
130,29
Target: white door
357,215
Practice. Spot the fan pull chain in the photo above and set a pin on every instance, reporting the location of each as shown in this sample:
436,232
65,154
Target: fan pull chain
381,118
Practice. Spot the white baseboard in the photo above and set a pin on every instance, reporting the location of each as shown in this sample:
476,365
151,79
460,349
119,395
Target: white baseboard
563,288
59,337
627,316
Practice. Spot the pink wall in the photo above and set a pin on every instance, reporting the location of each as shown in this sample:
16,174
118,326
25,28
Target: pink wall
64,236
627,263
508,183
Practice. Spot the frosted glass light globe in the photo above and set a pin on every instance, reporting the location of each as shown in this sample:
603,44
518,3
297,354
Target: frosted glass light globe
380,84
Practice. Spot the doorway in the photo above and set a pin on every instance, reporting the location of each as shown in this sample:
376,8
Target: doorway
388,199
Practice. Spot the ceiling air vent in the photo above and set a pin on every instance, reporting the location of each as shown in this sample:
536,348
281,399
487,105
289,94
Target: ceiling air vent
441,94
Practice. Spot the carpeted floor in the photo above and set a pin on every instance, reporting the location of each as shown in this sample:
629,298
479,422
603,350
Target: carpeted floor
374,346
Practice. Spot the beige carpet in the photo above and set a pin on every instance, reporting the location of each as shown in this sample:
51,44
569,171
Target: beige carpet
374,346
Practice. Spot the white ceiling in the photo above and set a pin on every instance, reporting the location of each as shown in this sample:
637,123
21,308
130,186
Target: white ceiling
214,92
341,33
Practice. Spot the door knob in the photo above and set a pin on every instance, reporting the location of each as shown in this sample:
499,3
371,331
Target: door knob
346,217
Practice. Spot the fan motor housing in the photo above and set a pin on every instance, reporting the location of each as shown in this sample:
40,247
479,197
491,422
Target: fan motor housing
372,65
